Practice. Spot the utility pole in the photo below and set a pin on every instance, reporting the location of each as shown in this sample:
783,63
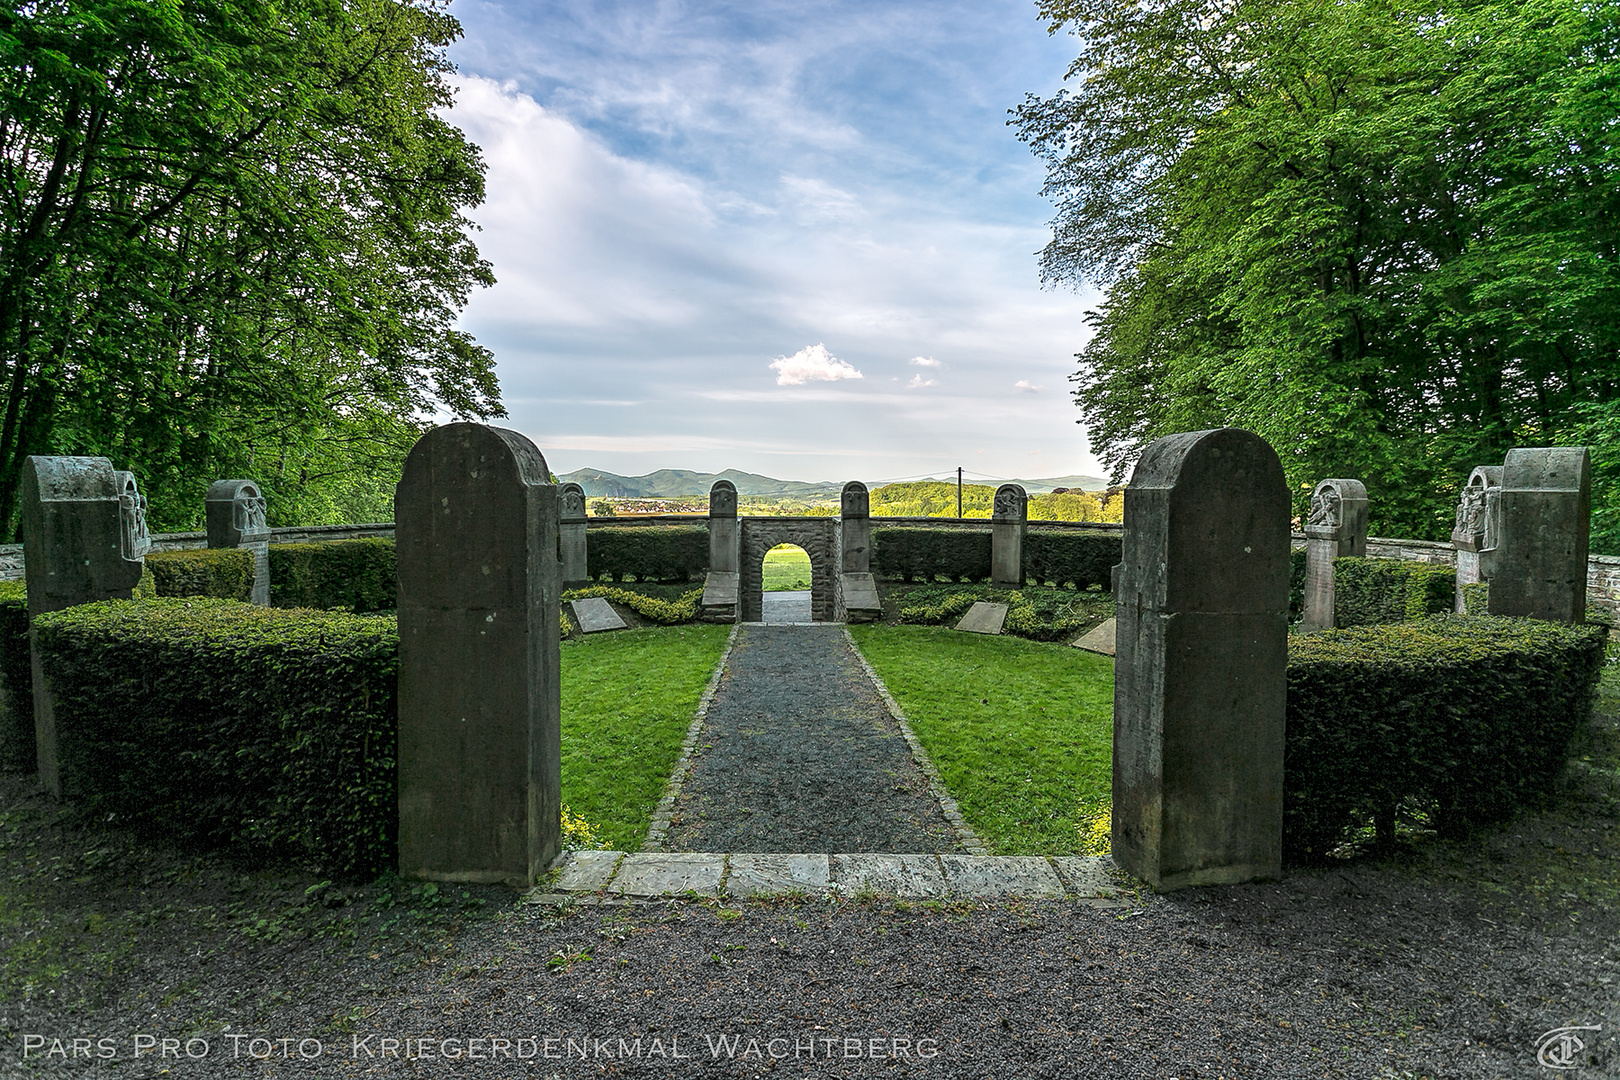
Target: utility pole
959,491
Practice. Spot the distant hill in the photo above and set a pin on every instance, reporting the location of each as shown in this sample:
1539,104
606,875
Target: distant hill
673,483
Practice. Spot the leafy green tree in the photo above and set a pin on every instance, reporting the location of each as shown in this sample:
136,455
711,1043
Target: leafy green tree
1383,234
232,243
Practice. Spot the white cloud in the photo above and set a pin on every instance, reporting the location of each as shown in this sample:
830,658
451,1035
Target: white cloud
918,381
813,363
924,361
1024,386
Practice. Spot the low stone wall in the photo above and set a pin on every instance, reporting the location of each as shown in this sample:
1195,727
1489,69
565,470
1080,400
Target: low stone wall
11,555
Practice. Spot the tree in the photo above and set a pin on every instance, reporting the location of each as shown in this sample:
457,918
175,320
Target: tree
1383,234
232,243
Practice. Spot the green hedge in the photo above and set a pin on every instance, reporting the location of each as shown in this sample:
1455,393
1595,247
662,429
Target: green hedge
647,552
354,575
16,681
651,608
226,573
1296,584
922,554
1464,718
1367,592
1072,556
219,723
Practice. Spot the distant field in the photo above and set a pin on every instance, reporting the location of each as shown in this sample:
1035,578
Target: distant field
787,567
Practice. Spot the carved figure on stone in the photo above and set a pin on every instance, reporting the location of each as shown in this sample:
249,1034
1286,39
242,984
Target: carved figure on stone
1475,527
571,502
723,499
134,540
856,501
1010,503
1326,508
247,510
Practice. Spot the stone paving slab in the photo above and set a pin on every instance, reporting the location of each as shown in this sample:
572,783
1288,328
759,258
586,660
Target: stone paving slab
909,877
663,874
1087,875
984,618
1099,640
773,875
786,608
1000,875
585,871
594,615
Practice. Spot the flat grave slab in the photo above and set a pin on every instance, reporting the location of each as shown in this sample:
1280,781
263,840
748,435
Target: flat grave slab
1000,875
584,871
772,875
1099,639
719,589
984,618
594,614
909,877
648,874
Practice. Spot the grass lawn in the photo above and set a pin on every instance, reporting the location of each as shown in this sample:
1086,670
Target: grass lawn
627,700
786,567
1021,731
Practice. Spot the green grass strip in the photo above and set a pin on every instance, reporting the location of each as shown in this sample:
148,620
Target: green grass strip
786,567
627,700
1021,731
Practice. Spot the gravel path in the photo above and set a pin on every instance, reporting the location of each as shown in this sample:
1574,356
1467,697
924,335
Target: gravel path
798,754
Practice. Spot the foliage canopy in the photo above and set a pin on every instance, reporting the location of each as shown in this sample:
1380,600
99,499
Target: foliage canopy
1383,234
232,243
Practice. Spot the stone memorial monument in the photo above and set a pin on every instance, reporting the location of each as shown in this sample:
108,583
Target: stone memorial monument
1478,528
1200,677
1009,517
234,517
1546,520
571,524
1336,526
479,692
84,534
721,587
857,588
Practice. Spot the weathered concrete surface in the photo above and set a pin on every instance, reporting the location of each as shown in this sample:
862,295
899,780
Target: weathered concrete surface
1201,661
585,871
1336,527
859,595
983,617
84,528
1000,875
773,875
1086,875
1100,639
911,877
1541,562
479,695
571,524
723,535
1009,518
234,518
669,874
855,506
792,607
720,594
594,615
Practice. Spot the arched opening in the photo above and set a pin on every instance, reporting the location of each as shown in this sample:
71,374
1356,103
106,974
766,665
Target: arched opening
785,574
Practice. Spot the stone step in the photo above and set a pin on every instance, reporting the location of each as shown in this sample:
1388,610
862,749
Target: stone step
595,876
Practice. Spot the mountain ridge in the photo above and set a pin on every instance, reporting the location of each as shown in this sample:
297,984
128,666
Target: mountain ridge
674,483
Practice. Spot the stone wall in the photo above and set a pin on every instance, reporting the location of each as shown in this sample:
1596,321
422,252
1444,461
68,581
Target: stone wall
820,540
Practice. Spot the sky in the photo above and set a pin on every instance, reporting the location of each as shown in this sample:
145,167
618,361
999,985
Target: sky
791,238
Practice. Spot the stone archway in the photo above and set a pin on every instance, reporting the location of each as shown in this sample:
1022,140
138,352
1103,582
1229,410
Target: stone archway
819,537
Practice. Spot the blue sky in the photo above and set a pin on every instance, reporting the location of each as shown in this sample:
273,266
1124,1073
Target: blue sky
791,238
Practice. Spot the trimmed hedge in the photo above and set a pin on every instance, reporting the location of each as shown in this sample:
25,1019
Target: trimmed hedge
16,681
1465,718
647,552
218,723
1072,556
226,573
353,575
1296,585
663,612
921,554
1367,592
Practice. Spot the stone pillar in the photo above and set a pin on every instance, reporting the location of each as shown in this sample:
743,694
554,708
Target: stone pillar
1008,520
1478,528
857,598
234,517
85,539
571,523
1200,674
721,588
1546,508
480,788
1336,526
